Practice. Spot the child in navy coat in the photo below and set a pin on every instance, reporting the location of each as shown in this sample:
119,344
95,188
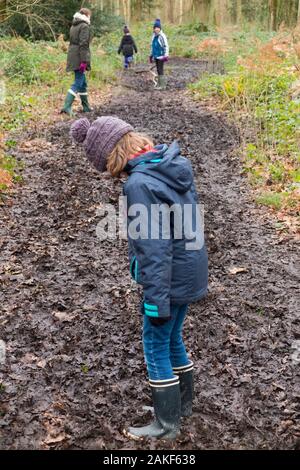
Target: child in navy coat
127,47
167,255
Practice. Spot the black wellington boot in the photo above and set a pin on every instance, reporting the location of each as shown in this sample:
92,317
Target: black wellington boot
186,380
166,401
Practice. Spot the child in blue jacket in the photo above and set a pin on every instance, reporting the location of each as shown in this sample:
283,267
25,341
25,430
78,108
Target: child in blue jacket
159,52
167,255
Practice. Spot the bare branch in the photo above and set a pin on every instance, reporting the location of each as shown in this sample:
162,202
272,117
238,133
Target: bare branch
25,10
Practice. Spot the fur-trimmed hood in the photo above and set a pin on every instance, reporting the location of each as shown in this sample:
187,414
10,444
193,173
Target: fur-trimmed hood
78,18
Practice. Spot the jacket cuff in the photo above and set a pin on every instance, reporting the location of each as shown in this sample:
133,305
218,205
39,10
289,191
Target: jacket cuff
156,311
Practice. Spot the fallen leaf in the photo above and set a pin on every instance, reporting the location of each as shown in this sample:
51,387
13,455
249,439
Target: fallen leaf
63,316
237,270
54,440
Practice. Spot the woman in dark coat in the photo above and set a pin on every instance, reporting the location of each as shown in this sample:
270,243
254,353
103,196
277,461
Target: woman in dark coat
79,59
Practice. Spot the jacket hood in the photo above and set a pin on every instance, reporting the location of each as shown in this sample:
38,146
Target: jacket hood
165,164
79,18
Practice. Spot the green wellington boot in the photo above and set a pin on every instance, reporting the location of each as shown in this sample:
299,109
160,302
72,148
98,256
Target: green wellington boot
67,108
162,83
166,400
186,381
85,103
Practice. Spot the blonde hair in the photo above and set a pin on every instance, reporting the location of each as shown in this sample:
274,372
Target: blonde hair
85,11
130,144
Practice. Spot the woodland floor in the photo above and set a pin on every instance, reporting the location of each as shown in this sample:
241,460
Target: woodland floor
74,374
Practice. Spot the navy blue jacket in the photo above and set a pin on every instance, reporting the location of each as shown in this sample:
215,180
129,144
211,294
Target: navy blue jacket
162,264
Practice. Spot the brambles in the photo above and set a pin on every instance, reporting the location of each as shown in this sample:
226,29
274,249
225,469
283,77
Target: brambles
8,166
8,176
212,47
5,179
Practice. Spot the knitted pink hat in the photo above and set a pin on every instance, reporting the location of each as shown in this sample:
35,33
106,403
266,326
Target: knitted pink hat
99,138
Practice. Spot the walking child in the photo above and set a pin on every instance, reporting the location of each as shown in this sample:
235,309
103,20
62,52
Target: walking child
79,60
168,257
159,52
127,47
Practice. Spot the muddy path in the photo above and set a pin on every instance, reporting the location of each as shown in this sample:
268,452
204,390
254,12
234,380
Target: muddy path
74,373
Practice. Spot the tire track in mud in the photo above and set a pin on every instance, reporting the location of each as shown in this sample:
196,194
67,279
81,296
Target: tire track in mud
74,374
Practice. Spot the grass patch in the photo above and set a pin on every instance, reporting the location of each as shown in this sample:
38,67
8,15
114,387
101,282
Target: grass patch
274,200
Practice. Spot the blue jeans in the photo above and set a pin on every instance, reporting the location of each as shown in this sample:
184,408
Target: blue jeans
163,345
127,61
80,83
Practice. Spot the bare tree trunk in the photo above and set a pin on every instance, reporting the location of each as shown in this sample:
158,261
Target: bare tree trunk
221,12
200,11
122,10
117,8
273,14
138,9
212,12
170,13
223,5
180,11
127,10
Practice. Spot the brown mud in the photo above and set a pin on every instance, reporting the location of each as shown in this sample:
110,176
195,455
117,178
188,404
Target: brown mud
74,373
